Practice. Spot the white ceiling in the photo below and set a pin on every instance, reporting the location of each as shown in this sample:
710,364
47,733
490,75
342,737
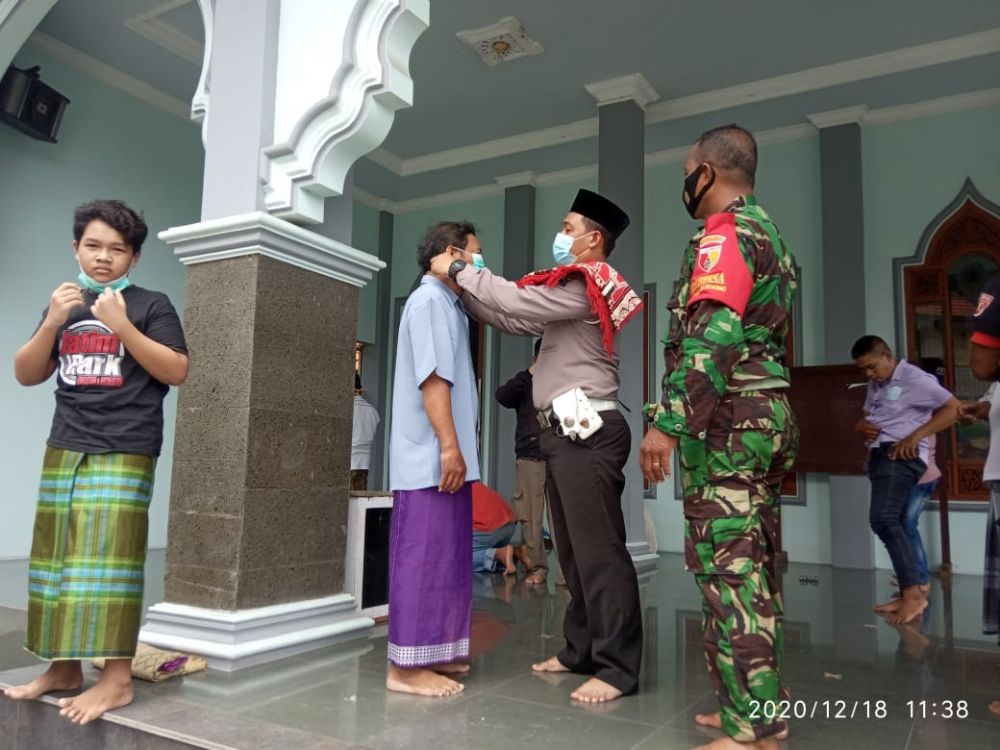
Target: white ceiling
706,60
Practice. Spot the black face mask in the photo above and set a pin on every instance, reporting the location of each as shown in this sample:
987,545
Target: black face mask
692,200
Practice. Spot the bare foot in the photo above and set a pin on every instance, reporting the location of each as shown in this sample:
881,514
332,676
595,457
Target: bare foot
709,720
890,606
995,708
421,682
521,553
911,605
715,722
728,743
506,555
455,667
549,665
537,578
595,691
113,690
61,675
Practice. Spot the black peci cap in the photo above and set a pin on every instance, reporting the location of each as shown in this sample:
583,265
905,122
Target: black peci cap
598,208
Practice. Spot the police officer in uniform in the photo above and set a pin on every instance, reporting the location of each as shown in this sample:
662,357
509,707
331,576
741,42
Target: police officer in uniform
578,309
725,406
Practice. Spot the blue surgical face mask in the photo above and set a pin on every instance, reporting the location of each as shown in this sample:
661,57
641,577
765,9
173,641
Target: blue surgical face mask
119,284
562,249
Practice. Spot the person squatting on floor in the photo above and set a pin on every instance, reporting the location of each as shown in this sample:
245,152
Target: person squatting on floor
117,348
497,541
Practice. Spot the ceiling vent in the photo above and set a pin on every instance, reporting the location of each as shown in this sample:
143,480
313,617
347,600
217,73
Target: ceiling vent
502,41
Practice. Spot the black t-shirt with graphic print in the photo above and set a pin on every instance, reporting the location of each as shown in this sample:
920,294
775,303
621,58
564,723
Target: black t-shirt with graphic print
106,402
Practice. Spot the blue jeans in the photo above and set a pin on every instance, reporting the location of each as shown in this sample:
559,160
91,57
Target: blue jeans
892,482
919,496
486,543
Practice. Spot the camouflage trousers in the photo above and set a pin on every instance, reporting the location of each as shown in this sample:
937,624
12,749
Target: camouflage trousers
732,492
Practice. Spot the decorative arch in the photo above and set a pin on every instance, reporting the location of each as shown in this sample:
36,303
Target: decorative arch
200,100
945,233
336,97
18,18
957,253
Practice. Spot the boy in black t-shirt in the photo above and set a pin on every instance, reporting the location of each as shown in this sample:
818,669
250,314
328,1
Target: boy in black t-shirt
118,348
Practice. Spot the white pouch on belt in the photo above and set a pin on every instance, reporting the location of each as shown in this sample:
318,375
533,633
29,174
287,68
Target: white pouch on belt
578,419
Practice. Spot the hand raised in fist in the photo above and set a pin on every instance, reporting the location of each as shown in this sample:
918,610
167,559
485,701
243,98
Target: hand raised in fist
64,299
110,309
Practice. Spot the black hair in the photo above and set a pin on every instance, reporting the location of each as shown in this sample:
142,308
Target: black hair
357,381
595,226
732,149
538,346
117,215
867,345
438,237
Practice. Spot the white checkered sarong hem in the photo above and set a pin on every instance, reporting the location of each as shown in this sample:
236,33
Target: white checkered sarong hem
425,656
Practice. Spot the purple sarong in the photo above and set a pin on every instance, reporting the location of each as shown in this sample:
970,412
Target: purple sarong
430,577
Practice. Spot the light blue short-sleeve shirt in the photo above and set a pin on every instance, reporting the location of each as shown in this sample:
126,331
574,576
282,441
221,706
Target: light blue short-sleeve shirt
433,337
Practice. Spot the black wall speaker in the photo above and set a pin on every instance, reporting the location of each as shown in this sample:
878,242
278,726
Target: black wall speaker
29,105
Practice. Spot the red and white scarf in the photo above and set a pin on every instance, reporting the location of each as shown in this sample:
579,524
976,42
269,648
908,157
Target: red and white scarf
611,298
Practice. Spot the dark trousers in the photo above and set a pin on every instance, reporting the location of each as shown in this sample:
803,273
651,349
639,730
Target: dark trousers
892,482
603,625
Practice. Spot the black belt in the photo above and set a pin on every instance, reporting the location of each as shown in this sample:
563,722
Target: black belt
531,458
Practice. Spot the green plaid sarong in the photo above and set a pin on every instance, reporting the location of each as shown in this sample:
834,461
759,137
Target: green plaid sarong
87,555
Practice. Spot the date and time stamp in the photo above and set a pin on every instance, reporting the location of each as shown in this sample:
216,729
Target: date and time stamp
862,710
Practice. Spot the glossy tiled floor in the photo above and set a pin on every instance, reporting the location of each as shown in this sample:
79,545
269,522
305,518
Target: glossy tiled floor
836,650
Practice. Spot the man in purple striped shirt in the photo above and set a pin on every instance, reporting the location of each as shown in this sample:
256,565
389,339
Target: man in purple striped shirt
903,408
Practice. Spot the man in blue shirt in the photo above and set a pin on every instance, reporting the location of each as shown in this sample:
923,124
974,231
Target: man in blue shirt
433,461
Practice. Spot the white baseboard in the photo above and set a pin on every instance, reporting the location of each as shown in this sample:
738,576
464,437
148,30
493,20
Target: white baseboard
236,640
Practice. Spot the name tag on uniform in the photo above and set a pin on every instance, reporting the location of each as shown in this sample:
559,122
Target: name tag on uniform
894,393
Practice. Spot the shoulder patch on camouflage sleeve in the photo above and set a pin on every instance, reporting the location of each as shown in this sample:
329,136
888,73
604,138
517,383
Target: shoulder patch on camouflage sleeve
720,272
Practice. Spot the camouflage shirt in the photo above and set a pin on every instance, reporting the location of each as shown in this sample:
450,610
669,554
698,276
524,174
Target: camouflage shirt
711,349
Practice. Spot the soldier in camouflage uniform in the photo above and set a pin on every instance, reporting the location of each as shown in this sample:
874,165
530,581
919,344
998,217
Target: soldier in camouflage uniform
724,404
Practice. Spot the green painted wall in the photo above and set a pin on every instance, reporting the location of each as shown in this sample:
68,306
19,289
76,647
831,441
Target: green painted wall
913,170
112,146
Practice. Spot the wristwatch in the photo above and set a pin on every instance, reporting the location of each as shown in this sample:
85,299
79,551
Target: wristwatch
455,268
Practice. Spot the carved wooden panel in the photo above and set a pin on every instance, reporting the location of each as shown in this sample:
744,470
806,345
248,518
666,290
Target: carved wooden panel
926,284
970,230
970,482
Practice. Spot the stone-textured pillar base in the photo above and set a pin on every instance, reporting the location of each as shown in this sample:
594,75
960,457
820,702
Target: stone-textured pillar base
235,640
259,494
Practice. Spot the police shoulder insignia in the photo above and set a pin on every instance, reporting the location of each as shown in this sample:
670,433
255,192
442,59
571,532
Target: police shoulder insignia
720,272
